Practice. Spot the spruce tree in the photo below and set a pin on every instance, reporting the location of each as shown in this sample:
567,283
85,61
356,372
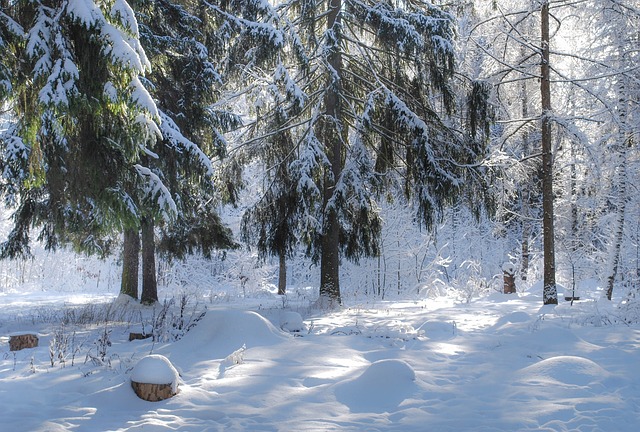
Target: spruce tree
82,118
376,82
175,35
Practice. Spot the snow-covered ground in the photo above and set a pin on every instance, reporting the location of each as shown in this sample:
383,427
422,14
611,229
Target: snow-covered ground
499,363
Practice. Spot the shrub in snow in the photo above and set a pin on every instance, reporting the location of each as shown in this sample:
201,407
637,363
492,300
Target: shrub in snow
174,319
154,378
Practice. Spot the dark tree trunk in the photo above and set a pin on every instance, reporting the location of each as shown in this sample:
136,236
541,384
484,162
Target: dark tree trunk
282,275
130,260
550,293
332,137
149,280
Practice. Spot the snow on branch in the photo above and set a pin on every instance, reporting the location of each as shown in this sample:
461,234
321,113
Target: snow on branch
124,13
351,185
293,91
123,49
265,31
156,191
11,25
38,39
149,115
47,46
85,11
122,45
408,30
61,82
141,97
173,135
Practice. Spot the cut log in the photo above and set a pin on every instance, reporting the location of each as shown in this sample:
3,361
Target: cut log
154,378
153,392
509,271
22,341
138,336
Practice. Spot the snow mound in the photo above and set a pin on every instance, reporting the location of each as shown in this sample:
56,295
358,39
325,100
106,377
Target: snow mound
291,321
438,330
155,369
501,297
380,388
222,332
124,300
518,317
568,370
560,335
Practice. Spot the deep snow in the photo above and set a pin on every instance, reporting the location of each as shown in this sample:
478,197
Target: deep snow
500,363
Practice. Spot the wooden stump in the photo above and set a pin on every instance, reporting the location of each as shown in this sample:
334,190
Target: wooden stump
154,378
22,341
509,283
153,392
138,336
509,271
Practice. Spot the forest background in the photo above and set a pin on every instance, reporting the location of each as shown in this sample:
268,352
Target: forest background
295,142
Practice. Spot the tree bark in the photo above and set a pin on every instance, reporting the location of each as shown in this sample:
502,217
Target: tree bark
332,136
525,194
149,280
130,263
550,293
624,142
282,275
620,184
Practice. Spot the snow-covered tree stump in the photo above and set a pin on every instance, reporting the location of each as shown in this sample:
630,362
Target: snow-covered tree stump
509,271
22,341
154,378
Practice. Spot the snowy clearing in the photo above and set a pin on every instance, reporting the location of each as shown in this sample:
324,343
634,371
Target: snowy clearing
500,363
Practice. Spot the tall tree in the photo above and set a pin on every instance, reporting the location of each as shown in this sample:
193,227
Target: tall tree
9,32
82,119
550,293
269,139
512,68
175,35
362,122
622,93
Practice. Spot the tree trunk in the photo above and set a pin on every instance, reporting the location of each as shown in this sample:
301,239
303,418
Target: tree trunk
619,182
149,280
282,275
332,137
130,263
550,293
525,194
620,185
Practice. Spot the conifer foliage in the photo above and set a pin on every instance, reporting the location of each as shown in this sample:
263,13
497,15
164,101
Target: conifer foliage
358,94
82,118
96,146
